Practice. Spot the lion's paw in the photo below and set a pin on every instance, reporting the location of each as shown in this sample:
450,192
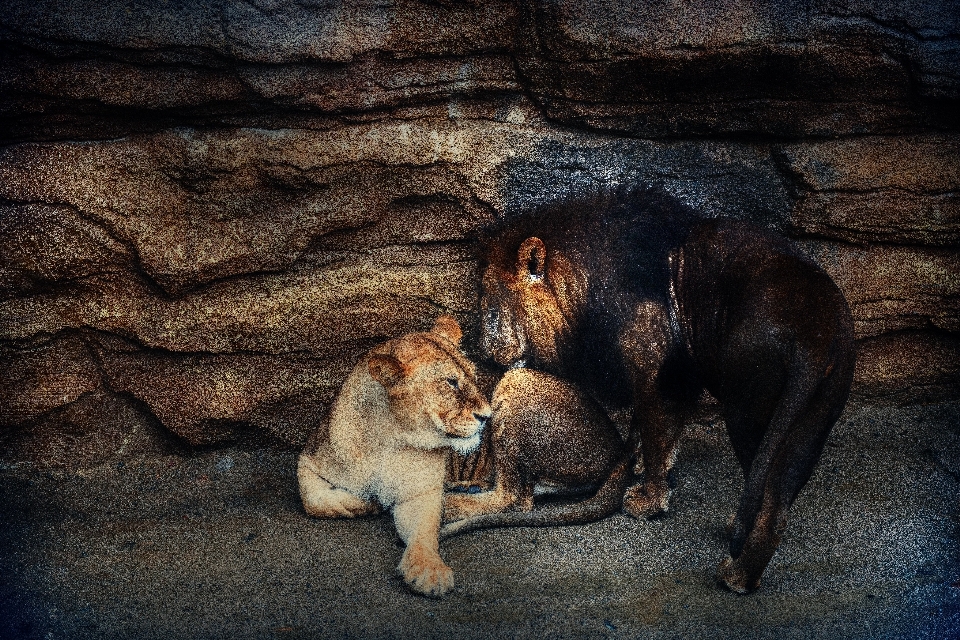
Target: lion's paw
640,501
732,575
426,573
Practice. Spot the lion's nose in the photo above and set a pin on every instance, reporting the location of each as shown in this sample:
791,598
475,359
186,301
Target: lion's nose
482,419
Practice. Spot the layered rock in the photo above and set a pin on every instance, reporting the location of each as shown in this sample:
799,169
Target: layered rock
785,69
209,211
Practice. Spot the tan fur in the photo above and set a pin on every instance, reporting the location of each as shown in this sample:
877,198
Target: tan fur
544,432
475,469
545,309
391,429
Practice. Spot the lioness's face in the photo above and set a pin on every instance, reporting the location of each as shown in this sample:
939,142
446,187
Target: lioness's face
521,315
432,389
449,403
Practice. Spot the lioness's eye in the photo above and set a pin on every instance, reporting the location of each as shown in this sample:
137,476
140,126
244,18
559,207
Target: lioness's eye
453,382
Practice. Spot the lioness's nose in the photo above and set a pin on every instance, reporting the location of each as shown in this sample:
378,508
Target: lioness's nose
482,419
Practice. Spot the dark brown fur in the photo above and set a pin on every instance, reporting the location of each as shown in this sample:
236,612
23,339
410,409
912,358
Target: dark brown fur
475,470
636,297
544,431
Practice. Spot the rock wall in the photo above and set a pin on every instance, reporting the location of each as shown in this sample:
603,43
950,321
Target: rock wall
209,210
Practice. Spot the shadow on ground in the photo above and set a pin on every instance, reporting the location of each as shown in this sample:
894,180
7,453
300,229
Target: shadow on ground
215,545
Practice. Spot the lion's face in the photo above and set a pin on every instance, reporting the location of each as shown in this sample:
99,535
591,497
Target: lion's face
432,389
528,307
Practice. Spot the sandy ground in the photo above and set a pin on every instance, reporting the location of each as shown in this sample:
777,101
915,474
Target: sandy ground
215,545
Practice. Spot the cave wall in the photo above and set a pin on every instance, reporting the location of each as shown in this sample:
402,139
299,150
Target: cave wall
210,210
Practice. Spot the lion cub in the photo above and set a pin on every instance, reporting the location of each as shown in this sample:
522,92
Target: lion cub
545,432
399,413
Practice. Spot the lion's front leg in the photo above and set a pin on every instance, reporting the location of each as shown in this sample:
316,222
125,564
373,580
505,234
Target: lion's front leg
418,523
322,500
657,418
659,438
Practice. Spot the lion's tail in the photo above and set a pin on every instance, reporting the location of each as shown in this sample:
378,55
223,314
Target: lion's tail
607,500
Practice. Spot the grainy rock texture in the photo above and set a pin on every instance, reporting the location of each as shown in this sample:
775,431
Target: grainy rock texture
209,210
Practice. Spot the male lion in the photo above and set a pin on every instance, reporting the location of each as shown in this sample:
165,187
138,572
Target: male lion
544,432
391,428
639,298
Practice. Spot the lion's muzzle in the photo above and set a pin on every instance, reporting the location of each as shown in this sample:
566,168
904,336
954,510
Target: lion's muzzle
502,340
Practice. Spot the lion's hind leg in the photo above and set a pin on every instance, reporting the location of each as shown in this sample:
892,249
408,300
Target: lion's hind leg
322,500
457,506
510,491
779,467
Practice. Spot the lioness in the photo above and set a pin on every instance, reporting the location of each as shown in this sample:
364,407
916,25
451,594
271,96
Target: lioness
642,300
391,428
544,432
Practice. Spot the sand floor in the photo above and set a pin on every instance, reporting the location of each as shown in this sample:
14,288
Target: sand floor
215,545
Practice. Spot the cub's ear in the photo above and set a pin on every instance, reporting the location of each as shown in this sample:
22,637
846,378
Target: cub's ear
447,327
532,259
386,369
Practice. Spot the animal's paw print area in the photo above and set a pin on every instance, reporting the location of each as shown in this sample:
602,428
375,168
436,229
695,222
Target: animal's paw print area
426,573
642,501
731,575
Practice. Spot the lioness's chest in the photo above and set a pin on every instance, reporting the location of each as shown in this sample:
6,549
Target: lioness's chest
408,472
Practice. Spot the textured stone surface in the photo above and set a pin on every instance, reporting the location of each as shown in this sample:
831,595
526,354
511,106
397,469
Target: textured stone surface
901,190
908,366
788,69
777,68
40,379
203,398
209,210
98,429
895,288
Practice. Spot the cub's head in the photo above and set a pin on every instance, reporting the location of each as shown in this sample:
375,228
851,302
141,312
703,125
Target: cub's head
432,388
530,303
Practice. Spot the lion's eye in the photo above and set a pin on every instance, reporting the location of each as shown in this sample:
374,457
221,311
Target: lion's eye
453,382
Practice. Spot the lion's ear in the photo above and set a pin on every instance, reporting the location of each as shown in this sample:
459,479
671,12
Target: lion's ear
532,259
449,328
386,369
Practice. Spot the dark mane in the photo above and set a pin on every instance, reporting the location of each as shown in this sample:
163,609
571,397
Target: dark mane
624,233
621,239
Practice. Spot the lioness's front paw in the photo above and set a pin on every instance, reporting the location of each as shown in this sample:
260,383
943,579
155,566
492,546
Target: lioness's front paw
643,500
425,573
732,575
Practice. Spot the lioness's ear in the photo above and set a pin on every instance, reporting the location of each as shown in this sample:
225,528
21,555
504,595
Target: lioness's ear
532,258
386,369
448,327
